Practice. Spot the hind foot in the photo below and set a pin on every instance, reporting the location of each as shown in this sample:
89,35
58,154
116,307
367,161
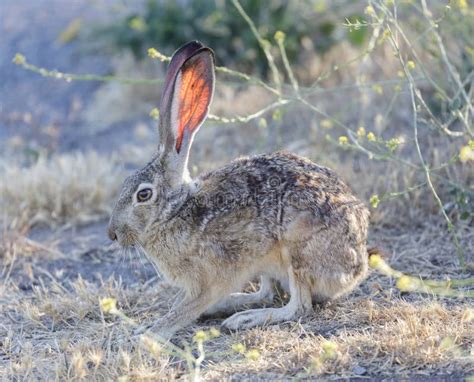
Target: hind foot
299,305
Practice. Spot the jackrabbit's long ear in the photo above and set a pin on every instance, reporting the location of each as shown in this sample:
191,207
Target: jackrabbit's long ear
187,94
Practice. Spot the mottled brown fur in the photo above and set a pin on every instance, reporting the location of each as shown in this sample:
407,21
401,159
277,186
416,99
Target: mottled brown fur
278,216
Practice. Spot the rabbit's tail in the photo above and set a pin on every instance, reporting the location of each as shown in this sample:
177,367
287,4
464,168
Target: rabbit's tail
376,251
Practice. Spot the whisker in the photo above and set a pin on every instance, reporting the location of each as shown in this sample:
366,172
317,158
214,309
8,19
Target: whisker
143,252
122,256
130,254
136,256
112,246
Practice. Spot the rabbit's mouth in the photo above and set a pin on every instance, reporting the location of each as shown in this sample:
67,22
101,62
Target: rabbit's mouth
124,237
128,239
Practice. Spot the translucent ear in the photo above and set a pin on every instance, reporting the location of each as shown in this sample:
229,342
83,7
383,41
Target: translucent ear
187,94
194,87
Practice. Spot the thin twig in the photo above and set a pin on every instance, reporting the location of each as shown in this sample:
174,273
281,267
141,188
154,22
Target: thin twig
263,43
248,118
87,77
280,41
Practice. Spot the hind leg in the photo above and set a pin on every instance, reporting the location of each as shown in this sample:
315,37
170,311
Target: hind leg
299,305
236,301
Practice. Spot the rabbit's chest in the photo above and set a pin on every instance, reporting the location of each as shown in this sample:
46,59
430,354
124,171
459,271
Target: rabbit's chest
174,253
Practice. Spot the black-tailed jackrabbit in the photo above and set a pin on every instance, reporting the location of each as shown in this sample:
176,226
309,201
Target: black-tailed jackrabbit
277,216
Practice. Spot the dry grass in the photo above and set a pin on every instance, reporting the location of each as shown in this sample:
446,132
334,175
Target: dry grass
70,188
58,331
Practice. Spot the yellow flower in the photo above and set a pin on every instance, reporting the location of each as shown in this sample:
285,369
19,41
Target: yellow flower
361,132
378,89
411,64
374,201
239,348
369,10
371,137
407,283
19,59
326,123
343,140
375,261
200,336
137,23
466,154
392,144
213,332
462,4
253,355
262,123
153,53
155,113
109,305
279,36
277,115
320,6
329,349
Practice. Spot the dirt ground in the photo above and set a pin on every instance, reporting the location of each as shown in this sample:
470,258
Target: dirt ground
53,277
52,324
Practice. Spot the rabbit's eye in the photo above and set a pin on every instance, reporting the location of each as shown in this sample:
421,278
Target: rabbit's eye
144,195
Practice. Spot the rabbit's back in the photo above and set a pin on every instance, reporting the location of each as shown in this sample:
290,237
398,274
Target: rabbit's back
276,187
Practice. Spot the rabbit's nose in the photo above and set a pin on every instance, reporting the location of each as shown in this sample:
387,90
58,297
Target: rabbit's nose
112,234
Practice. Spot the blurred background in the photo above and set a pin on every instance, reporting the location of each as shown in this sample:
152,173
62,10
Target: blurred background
380,91
341,53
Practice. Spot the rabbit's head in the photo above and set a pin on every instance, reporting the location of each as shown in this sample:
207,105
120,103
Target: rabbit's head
149,194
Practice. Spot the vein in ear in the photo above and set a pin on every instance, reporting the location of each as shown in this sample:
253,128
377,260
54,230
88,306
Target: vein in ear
194,98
